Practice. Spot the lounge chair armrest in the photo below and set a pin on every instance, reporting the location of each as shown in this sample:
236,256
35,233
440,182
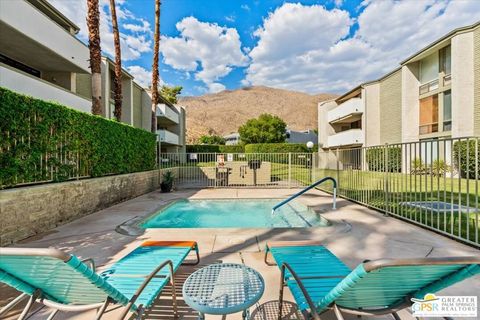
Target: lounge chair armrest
311,305
139,291
90,262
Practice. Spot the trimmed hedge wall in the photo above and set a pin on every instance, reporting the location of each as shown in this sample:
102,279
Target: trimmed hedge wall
45,141
278,148
376,159
212,148
460,152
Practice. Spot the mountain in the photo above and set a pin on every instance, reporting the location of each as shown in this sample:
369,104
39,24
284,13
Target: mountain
222,113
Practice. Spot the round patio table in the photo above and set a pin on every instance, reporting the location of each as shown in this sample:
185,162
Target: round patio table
223,288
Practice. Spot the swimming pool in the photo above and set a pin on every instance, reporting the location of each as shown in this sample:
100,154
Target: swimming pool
237,213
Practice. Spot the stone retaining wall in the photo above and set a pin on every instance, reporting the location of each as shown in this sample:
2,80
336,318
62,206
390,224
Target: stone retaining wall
28,211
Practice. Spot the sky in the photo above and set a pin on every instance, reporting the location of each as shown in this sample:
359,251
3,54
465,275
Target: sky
312,46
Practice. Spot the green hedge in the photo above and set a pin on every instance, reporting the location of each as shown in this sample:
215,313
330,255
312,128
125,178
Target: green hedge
376,159
213,148
278,148
45,141
465,159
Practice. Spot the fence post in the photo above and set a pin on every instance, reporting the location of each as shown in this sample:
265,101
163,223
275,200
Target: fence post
289,169
337,155
385,178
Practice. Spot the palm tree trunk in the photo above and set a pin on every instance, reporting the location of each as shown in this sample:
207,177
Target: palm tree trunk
93,22
156,46
117,80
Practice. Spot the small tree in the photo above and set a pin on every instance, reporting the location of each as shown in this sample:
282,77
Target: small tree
211,139
266,129
171,93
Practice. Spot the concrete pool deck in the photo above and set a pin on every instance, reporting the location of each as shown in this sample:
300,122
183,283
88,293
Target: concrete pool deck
356,233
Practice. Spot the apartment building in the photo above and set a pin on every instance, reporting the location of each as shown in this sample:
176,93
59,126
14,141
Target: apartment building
434,93
40,56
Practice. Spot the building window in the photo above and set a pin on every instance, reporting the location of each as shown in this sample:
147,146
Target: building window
20,66
445,60
429,115
429,68
447,110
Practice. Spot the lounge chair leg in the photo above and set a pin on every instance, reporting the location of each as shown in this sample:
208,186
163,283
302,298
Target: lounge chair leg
30,303
338,314
265,259
13,303
197,253
174,295
102,309
395,316
280,298
53,314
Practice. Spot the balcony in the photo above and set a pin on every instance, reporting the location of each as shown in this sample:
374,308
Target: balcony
349,111
429,86
39,42
166,115
168,137
352,137
24,83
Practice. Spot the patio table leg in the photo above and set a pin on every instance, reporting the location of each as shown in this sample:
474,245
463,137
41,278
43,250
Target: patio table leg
201,316
245,314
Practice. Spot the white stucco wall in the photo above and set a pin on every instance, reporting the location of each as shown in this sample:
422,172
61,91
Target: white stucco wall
462,85
371,115
410,104
23,83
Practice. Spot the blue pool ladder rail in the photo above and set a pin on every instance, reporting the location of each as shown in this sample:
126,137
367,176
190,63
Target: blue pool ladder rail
313,185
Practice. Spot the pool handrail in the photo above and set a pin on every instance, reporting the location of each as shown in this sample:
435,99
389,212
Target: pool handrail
313,185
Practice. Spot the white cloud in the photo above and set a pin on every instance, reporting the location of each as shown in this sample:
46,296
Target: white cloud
309,48
133,44
206,49
245,7
230,18
142,76
215,87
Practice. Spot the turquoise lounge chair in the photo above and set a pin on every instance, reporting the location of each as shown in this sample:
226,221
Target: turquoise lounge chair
319,281
64,283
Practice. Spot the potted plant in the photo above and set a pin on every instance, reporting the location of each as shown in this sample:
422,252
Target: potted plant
167,181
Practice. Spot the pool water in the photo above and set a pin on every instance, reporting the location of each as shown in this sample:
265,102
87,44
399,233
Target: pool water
244,213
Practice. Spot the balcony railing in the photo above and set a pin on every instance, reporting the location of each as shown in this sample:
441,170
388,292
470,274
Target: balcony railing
346,138
429,86
447,79
343,111
166,136
24,83
166,112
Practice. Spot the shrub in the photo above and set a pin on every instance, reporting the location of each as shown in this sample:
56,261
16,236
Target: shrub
44,141
278,148
212,139
212,148
440,167
376,159
465,158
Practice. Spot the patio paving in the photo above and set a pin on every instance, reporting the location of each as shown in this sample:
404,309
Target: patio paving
356,233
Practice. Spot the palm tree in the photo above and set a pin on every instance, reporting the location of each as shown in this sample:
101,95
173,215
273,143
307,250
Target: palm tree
117,80
93,22
156,46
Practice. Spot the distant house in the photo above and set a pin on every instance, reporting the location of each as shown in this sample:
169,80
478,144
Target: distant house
292,137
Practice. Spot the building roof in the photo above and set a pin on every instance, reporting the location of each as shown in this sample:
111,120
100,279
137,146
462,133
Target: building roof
446,37
449,35
50,11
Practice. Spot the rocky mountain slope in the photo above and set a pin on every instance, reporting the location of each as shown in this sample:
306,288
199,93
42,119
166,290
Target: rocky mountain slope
223,112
